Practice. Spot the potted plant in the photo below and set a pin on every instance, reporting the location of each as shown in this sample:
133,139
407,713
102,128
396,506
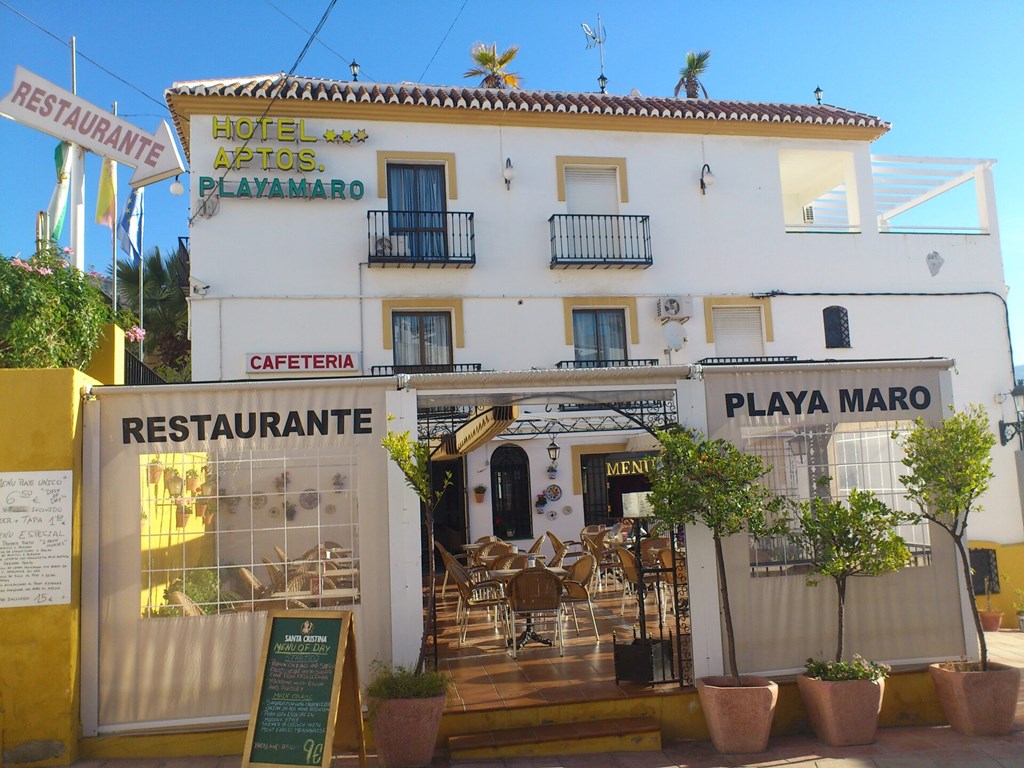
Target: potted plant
478,492
405,709
845,539
950,467
154,470
990,620
711,482
552,471
1018,607
540,502
191,480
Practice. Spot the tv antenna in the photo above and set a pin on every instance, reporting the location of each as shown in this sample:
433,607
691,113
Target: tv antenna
597,36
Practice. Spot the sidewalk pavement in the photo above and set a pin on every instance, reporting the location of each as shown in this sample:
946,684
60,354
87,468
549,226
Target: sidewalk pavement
911,747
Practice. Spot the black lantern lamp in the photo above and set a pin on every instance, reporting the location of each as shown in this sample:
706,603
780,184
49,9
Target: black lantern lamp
553,450
1010,429
602,81
354,68
818,93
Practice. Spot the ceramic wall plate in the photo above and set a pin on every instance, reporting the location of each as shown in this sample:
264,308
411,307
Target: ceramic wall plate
330,509
553,514
566,510
553,492
309,498
259,500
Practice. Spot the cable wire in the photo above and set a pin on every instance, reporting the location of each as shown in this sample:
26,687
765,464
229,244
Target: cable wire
450,28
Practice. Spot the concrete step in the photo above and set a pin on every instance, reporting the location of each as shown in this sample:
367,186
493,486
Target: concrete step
621,734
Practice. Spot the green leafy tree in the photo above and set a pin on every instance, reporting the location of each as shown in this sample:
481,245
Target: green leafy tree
711,482
413,459
950,468
856,537
492,67
689,76
51,314
164,309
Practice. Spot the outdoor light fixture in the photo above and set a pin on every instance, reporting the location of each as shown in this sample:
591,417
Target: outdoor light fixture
707,178
177,187
553,450
354,68
818,93
1010,429
798,445
508,173
602,81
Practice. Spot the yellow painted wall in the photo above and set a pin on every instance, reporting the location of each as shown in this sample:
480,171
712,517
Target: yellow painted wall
39,673
1010,559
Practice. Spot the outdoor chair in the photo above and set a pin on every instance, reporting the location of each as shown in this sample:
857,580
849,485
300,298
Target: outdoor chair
185,604
512,563
631,578
275,573
534,596
574,584
604,556
491,553
536,546
486,594
258,590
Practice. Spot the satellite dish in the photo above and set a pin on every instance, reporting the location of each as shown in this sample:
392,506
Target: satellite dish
674,338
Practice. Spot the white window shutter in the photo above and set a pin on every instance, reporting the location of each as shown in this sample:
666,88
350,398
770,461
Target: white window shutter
739,331
591,190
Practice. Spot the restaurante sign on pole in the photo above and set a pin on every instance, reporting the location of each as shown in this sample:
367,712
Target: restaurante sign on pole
40,104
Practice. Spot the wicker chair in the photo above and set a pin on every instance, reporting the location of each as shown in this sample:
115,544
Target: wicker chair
258,590
574,584
275,573
631,577
607,561
536,546
486,594
492,553
535,596
512,563
185,603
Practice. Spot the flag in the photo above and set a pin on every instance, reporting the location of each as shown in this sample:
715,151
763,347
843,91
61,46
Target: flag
106,198
129,228
64,158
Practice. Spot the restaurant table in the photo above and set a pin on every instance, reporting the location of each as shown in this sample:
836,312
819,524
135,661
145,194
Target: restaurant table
504,575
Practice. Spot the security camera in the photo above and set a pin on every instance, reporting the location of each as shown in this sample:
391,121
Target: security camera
197,286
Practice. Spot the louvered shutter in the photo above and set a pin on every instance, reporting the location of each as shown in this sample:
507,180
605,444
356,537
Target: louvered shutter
591,190
738,331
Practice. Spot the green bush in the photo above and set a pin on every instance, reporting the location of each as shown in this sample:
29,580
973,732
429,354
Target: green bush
399,682
203,587
857,668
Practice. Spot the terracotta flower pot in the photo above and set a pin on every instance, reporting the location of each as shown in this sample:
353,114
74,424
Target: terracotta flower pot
405,730
479,497
154,472
738,717
977,703
842,712
991,620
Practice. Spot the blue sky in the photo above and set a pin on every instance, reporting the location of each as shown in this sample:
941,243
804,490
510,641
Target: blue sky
945,75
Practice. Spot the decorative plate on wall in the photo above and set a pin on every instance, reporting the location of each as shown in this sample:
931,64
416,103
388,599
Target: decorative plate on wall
259,500
567,510
553,514
309,498
553,492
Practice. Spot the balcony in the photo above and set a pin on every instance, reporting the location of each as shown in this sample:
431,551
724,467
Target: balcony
391,370
593,241
420,239
632,362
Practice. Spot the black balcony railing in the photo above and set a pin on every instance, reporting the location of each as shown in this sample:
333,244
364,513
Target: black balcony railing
391,370
632,362
137,372
748,360
420,238
592,240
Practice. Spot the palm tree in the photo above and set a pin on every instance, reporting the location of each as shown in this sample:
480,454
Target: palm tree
689,75
164,309
492,67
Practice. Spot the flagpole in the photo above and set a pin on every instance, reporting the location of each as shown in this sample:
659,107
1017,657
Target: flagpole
77,183
113,225
142,294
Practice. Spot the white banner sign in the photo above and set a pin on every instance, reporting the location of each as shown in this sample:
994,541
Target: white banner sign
44,106
35,538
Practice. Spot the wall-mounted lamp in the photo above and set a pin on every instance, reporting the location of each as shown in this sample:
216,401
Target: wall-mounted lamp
507,173
818,93
177,187
354,69
553,450
602,81
1010,429
797,445
707,178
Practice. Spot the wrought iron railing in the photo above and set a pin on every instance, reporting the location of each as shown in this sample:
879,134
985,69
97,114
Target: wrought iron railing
137,372
391,370
748,360
597,240
421,238
632,362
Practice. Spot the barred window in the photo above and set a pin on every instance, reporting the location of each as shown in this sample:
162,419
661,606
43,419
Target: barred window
837,327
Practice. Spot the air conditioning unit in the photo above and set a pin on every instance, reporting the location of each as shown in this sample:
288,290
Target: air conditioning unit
808,214
675,308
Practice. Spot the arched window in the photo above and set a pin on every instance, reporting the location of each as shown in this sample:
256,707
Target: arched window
837,327
510,493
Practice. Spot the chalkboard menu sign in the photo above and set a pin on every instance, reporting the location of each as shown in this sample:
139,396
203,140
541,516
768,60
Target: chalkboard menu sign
35,538
307,679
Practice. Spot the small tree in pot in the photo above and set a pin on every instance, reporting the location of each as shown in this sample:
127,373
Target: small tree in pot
844,539
950,468
711,482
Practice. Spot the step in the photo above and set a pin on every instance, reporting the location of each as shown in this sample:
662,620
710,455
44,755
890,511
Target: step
620,734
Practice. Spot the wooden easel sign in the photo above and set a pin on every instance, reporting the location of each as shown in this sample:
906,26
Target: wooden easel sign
306,702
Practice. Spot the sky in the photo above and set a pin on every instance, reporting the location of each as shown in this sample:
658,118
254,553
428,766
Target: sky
945,74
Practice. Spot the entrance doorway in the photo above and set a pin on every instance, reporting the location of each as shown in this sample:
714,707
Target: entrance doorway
450,514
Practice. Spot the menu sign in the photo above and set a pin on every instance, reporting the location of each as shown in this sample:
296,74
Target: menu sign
35,538
307,656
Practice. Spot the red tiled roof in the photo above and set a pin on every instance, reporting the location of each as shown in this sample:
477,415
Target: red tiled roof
281,86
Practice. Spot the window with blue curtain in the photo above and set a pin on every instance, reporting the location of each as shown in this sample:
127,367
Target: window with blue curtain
416,209
422,338
599,335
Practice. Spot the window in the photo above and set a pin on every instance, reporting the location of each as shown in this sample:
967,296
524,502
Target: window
422,338
738,331
417,210
599,335
837,327
510,498
591,190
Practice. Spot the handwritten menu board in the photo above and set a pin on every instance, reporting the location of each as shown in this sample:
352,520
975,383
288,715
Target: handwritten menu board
35,538
306,656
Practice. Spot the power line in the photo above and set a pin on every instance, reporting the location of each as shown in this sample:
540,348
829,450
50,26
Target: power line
424,73
95,63
297,24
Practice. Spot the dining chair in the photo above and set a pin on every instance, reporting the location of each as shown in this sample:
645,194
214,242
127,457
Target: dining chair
488,594
489,554
563,549
275,573
671,579
258,590
512,563
649,549
460,558
575,589
185,604
607,561
537,544
631,578
534,595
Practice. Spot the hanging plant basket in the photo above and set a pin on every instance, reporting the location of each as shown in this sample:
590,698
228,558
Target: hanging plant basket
154,471
181,513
